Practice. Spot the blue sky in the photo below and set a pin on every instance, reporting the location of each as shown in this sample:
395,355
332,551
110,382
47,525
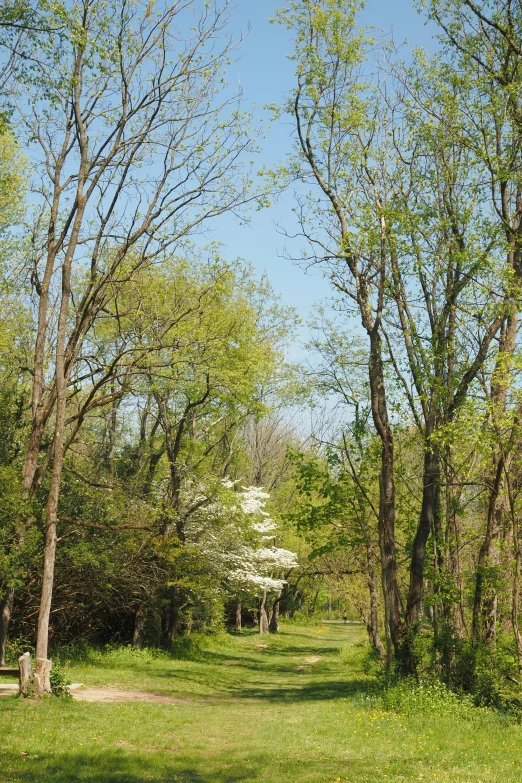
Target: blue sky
266,75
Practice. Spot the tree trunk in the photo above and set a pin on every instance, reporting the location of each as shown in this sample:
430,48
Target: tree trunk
329,607
42,682
386,500
274,617
490,603
453,547
238,615
428,521
311,610
29,482
42,640
172,623
373,624
515,603
263,618
6,607
139,624
485,553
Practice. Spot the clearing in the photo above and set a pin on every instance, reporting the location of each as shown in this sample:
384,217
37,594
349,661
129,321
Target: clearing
286,709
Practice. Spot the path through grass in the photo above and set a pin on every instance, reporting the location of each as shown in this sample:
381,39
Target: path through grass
249,710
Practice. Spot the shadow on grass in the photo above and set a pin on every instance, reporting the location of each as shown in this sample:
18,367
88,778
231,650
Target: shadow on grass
265,658
111,767
322,690
295,687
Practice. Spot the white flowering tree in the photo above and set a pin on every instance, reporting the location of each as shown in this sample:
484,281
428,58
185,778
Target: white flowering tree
258,566
235,533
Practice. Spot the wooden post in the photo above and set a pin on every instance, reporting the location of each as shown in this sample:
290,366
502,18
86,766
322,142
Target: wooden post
25,673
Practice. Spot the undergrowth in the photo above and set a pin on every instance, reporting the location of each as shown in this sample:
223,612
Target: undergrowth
428,694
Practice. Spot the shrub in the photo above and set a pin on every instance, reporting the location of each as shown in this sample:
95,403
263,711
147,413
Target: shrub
60,680
188,648
16,648
426,697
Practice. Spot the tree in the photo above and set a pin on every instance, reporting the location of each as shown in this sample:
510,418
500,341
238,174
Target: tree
333,113
482,41
132,150
14,341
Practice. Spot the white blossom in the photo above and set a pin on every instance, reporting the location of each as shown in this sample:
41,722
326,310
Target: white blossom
236,533
265,526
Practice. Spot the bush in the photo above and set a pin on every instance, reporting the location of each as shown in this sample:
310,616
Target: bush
60,680
16,648
426,697
303,618
113,656
490,675
189,648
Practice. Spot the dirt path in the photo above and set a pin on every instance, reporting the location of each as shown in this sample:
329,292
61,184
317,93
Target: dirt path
92,694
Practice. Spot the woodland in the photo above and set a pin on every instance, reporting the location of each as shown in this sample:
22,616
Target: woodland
169,475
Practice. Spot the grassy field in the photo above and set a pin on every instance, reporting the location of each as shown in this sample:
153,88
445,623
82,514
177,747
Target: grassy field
286,709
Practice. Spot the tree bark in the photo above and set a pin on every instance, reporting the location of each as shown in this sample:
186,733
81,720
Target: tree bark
6,608
42,640
485,553
515,602
499,390
172,623
428,521
139,623
238,615
375,637
453,546
387,501
274,617
263,618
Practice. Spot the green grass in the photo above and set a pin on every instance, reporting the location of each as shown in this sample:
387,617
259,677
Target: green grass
247,713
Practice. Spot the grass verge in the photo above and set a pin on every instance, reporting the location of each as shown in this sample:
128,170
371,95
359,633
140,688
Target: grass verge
285,709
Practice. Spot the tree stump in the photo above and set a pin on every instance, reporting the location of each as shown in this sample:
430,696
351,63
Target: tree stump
25,673
42,677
